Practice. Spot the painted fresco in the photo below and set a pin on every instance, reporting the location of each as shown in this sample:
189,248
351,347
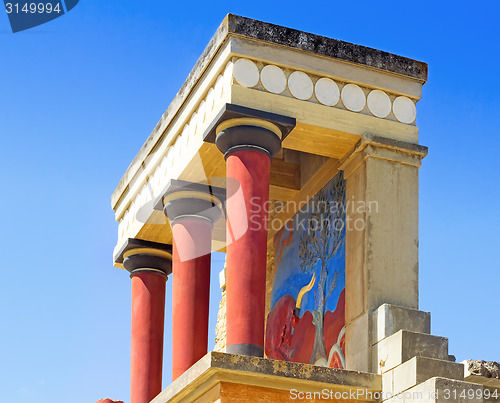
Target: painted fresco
306,322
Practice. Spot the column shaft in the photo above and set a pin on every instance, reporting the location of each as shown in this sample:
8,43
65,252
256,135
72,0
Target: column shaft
148,312
246,256
190,291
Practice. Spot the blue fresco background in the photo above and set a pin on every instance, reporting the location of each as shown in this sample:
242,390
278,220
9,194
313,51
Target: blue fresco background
289,278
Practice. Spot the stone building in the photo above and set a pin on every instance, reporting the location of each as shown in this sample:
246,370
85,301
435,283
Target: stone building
298,156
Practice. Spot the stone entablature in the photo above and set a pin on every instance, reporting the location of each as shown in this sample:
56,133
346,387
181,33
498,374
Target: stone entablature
377,91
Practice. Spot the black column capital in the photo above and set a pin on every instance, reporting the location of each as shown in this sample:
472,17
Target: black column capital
183,199
236,127
138,256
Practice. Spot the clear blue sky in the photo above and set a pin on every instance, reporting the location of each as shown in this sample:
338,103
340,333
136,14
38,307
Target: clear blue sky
80,95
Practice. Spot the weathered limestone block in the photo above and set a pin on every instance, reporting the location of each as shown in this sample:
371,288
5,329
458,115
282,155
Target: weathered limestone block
220,377
382,239
220,327
418,370
370,328
488,369
360,360
403,346
381,243
442,390
486,373
358,350
389,319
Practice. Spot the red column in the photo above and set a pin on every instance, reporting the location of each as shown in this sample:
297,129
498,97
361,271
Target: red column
248,138
109,401
246,256
149,264
148,312
190,291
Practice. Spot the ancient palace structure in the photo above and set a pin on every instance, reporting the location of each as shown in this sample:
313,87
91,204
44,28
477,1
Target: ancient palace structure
298,156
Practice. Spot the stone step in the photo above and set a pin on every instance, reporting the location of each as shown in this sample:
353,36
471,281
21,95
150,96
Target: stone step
441,390
389,319
418,370
403,346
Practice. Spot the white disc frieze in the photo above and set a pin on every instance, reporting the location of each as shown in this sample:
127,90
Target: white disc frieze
404,109
273,79
300,85
327,91
353,97
379,103
246,73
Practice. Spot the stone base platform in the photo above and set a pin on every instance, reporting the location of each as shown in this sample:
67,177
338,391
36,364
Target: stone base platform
220,377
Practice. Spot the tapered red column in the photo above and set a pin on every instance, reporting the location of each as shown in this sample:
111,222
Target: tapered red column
148,311
248,149
246,257
192,214
149,268
190,292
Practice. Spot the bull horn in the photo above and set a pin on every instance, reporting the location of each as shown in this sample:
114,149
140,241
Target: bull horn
305,289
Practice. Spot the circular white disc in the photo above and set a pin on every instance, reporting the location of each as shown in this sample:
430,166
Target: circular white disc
379,103
300,85
273,79
353,97
404,109
327,91
246,73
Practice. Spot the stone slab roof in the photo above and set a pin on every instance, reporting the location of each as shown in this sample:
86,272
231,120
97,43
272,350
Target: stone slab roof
324,46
